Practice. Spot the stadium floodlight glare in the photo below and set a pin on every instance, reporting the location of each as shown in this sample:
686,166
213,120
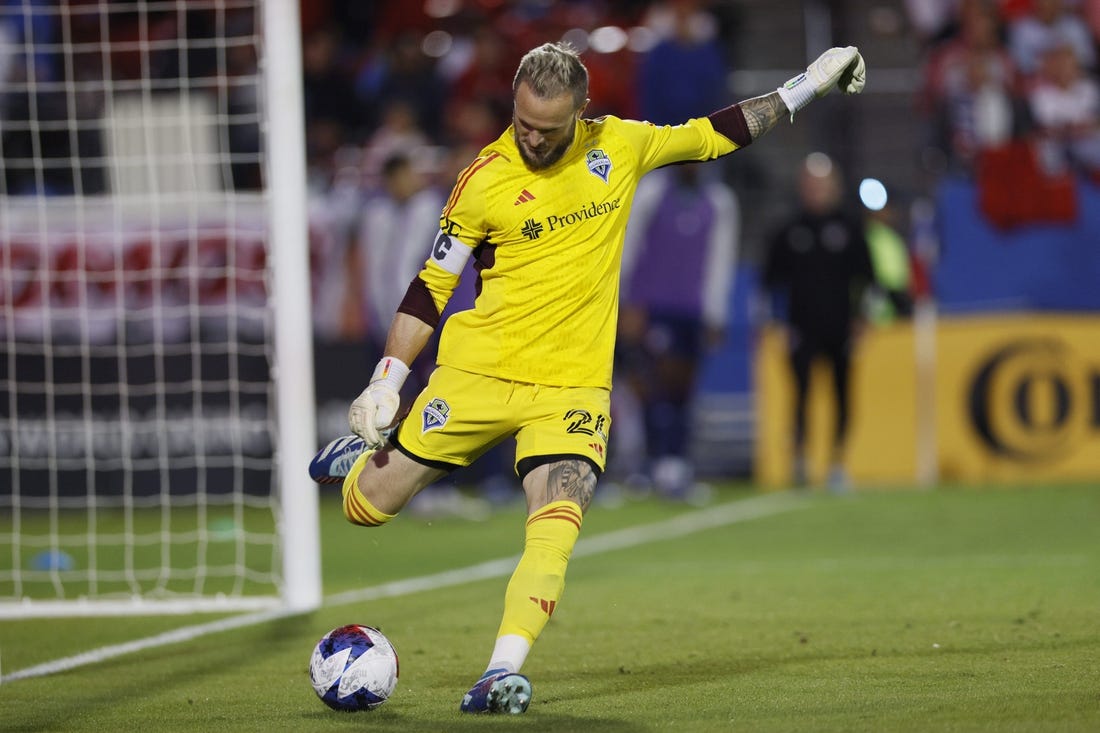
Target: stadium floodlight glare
156,384
872,193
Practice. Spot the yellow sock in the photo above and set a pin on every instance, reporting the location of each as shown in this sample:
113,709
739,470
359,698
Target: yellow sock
537,583
357,508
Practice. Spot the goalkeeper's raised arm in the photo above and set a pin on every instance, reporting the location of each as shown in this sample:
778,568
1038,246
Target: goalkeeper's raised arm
837,68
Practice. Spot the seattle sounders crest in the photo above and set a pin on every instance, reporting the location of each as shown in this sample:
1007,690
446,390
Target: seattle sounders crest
435,415
598,163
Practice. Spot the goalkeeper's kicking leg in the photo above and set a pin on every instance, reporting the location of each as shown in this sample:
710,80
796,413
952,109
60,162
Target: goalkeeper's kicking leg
378,483
452,422
558,492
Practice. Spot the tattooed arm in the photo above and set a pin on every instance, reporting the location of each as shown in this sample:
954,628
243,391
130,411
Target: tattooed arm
763,112
744,122
841,68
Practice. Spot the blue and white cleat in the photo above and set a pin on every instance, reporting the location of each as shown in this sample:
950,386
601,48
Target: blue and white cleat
498,691
334,462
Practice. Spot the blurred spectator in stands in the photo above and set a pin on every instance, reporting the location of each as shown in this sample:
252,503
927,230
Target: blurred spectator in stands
680,251
473,122
395,18
28,24
933,20
1065,106
970,88
684,74
399,131
609,75
1049,23
818,265
890,261
21,25
50,135
1091,12
1010,10
331,110
242,99
400,71
334,214
484,85
31,24
398,224
140,44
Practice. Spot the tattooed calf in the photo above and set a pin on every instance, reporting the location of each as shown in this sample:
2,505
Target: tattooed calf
573,480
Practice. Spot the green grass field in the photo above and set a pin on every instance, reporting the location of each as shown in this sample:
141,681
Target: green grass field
951,610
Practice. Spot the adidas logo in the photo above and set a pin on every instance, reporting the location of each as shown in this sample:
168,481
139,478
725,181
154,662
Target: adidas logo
545,605
524,197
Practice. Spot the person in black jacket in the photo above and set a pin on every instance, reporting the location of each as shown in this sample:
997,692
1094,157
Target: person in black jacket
818,265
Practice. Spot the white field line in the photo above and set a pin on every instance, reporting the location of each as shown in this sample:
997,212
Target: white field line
680,526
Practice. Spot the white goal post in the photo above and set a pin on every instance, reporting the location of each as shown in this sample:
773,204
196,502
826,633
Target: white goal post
156,377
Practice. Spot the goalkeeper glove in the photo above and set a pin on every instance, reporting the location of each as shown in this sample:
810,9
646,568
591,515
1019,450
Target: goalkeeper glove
837,67
376,407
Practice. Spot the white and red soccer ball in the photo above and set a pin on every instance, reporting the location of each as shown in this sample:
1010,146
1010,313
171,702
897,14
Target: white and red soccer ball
353,668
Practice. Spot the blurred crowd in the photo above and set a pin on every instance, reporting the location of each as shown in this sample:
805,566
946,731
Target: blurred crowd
999,72
426,78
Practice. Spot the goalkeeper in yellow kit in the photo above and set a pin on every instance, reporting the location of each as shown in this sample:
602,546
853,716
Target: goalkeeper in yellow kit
542,210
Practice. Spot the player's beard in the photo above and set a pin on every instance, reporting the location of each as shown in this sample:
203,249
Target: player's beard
540,159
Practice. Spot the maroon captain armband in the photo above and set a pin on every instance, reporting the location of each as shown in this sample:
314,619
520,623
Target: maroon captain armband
418,303
730,122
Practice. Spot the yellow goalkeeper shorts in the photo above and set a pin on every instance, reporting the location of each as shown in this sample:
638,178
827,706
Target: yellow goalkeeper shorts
459,415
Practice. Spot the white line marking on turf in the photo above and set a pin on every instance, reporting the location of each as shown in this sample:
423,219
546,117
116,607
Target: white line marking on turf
186,633
680,526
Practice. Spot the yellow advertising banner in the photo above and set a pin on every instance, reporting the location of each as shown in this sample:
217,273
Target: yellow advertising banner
996,399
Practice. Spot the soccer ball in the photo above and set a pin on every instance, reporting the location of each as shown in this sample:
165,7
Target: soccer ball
353,668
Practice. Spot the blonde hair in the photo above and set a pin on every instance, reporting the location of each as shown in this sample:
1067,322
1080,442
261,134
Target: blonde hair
553,69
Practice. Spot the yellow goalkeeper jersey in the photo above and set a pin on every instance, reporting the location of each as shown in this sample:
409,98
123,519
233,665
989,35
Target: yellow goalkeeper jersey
548,246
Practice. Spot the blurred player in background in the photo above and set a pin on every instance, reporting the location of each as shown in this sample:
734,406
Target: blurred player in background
678,260
404,206
818,262
542,211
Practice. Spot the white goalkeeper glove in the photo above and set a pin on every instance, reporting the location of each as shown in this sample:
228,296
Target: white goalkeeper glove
375,408
838,67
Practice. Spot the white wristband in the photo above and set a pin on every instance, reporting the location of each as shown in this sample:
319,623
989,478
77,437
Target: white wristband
797,93
391,371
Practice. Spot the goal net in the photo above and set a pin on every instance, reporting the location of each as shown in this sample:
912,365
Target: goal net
156,411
